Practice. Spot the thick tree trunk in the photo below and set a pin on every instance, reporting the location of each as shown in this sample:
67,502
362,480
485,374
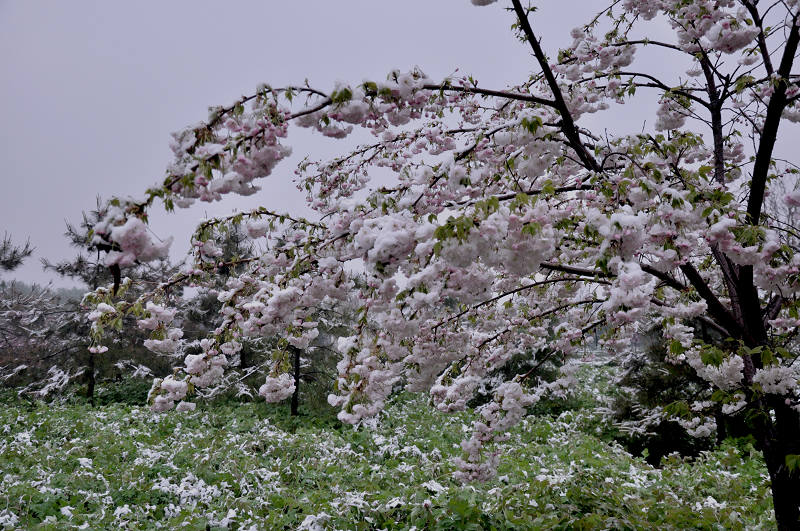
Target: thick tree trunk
90,379
296,395
784,440
244,357
722,428
785,496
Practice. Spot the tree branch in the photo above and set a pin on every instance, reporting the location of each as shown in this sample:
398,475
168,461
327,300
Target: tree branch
496,93
762,40
568,125
507,293
769,132
715,307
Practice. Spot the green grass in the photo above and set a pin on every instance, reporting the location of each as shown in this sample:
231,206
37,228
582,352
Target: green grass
251,466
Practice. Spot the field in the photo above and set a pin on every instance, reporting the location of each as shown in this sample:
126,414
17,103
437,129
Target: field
248,465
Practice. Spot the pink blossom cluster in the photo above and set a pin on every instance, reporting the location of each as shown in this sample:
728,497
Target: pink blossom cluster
131,238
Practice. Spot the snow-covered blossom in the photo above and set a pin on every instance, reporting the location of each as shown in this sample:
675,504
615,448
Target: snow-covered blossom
136,243
776,380
278,388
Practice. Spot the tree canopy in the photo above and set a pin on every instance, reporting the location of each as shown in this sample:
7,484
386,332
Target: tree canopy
482,223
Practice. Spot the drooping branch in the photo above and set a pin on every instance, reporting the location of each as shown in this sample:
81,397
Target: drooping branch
446,87
655,83
541,315
508,293
507,197
260,211
591,273
221,112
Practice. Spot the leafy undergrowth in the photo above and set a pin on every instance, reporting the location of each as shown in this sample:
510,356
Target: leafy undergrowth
250,466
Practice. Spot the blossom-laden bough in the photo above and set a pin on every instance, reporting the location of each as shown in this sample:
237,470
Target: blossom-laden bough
509,228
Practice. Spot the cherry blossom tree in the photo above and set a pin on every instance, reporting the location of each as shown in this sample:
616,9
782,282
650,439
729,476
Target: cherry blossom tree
507,226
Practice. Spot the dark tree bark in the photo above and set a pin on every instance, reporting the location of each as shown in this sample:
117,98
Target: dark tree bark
244,357
296,395
776,440
90,378
743,319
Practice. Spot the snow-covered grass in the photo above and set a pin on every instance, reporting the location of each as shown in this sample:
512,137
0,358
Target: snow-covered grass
250,466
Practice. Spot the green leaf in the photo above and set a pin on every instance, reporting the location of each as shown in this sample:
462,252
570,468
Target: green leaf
460,506
342,95
602,264
711,355
793,462
370,87
679,409
531,228
720,396
531,124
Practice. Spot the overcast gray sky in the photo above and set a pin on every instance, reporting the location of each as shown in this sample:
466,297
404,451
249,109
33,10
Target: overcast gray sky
91,90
